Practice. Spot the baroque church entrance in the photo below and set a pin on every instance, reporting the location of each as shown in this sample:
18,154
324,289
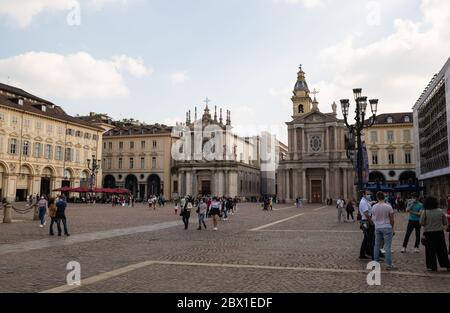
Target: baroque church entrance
316,191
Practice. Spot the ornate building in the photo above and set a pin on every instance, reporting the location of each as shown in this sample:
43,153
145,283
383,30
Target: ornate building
138,157
391,150
316,167
41,147
431,130
233,170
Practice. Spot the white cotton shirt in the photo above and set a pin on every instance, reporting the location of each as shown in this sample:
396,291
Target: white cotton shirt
364,206
380,215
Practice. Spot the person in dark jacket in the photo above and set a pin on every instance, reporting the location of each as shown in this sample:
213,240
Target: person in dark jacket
61,206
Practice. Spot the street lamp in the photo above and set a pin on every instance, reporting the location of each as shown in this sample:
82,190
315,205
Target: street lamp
360,124
93,166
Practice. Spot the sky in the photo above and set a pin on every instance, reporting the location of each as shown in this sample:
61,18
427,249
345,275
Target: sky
153,60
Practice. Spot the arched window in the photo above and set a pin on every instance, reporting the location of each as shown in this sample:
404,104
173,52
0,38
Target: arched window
407,119
301,109
390,120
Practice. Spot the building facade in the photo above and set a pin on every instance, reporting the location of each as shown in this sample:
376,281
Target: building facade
316,167
391,150
272,151
41,147
138,157
431,130
212,160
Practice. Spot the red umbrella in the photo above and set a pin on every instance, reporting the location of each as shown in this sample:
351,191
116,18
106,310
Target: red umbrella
121,191
64,189
81,190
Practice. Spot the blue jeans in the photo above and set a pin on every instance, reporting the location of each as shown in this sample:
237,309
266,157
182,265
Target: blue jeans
201,220
42,212
386,234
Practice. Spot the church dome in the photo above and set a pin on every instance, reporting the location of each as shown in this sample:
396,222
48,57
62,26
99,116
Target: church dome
301,84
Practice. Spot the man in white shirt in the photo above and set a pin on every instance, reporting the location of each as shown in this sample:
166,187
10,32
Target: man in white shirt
340,207
383,218
367,226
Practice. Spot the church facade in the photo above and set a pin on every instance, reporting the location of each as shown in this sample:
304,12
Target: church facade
316,167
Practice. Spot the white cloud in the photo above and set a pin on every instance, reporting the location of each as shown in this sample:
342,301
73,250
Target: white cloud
73,76
306,3
22,12
395,68
179,77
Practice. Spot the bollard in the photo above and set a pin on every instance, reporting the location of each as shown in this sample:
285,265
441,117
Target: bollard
36,213
7,213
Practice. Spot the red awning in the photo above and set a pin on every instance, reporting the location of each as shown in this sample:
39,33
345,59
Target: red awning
64,189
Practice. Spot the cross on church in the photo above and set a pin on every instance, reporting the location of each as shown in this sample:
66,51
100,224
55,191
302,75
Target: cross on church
314,92
300,67
207,101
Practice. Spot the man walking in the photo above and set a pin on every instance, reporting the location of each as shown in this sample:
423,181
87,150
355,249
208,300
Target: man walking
383,219
61,206
367,226
340,208
415,208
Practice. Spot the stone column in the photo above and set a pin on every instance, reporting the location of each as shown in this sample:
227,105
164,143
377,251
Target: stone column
345,183
232,183
337,184
288,187
36,185
7,211
295,192
295,144
11,188
327,183
327,141
220,184
226,182
194,183
304,183
179,183
280,184
188,182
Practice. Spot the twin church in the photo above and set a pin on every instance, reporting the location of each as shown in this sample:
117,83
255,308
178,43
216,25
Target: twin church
316,167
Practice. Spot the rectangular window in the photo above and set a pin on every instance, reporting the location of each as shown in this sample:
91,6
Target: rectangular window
68,154
78,134
131,144
120,163
391,158
153,163
104,145
26,148
407,135
374,137
110,145
59,153
14,120
38,125
375,158
154,144
13,146
78,156
390,135
49,129
408,157
142,162
109,163
120,145
60,130
142,144
48,152
37,150
131,163
27,123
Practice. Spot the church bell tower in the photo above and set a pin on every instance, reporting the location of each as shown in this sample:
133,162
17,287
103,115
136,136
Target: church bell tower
301,100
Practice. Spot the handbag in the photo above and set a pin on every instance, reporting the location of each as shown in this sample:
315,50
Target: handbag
423,240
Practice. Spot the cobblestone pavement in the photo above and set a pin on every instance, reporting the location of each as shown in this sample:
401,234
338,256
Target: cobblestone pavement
136,249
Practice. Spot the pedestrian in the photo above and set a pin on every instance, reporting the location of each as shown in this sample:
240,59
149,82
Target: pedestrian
201,211
415,209
383,219
229,206
52,214
367,226
434,222
186,213
271,203
224,209
215,212
350,208
42,209
61,206
340,208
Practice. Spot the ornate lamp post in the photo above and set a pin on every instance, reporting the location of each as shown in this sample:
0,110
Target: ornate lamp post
93,166
360,124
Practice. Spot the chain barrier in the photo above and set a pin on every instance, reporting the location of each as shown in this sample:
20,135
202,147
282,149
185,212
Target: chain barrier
23,211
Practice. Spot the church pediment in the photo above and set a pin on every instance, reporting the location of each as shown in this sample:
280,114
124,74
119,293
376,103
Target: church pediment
314,117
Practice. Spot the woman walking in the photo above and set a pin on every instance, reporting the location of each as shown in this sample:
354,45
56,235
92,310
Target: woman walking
350,208
434,222
186,213
42,207
52,214
201,211
215,212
